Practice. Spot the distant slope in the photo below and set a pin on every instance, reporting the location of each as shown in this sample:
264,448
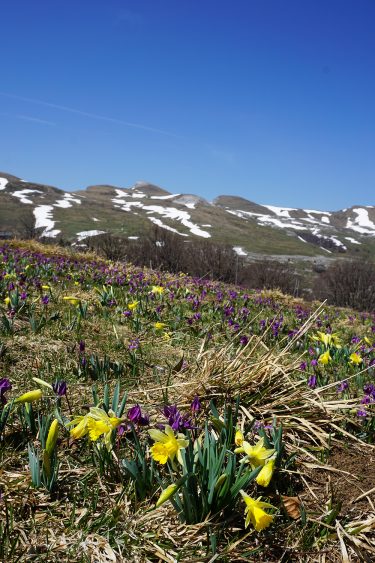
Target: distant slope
249,227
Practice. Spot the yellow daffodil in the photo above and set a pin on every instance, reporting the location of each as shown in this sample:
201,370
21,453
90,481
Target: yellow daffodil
72,300
167,445
264,477
355,358
46,287
7,300
328,339
325,358
367,340
133,305
238,438
30,396
255,455
255,513
96,423
157,289
159,326
52,436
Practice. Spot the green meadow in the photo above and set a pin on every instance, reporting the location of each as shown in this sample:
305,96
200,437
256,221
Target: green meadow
148,416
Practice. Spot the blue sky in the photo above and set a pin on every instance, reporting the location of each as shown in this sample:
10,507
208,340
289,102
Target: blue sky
270,100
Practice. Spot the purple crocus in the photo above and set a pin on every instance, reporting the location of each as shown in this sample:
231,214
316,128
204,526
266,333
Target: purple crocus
312,381
60,388
133,344
5,385
343,386
176,420
303,366
135,416
45,299
244,340
196,404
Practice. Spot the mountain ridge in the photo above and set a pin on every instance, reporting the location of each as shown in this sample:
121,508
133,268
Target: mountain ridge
246,225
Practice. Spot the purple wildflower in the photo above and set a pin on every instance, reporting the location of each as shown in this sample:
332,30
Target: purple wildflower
303,366
343,386
5,385
45,300
369,389
176,420
196,404
361,413
244,340
133,344
135,416
312,381
60,388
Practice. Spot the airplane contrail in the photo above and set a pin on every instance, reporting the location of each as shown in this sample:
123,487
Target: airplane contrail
90,115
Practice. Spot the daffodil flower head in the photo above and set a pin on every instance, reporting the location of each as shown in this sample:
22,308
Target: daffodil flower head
255,455
159,325
265,475
133,305
167,446
96,423
238,438
355,358
157,289
325,358
328,339
72,300
255,514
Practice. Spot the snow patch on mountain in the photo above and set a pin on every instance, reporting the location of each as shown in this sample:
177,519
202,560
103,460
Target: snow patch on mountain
317,212
352,240
169,196
3,183
239,251
173,213
362,223
66,201
85,234
43,219
22,195
280,211
159,223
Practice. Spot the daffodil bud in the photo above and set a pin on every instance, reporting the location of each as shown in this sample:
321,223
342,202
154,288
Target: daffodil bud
238,438
42,382
72,300
264,477
30,396
220,481
166,494
52,437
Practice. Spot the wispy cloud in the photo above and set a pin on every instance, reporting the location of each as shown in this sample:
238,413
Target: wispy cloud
35,119
90,115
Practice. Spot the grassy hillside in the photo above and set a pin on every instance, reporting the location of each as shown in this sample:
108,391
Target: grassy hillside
146,384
